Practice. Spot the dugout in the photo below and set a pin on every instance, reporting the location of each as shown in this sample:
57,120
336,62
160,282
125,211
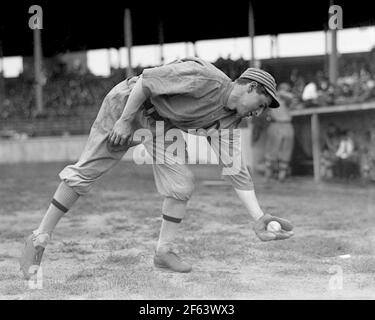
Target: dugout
310,126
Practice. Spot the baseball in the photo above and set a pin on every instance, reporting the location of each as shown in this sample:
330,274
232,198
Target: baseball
274,226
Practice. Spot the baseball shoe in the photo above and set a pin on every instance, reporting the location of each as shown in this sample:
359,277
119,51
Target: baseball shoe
32,253
170,260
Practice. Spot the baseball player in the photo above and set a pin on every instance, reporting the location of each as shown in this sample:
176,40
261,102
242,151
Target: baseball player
186,94
280,136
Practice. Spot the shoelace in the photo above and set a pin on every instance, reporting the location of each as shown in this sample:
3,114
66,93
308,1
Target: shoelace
175,254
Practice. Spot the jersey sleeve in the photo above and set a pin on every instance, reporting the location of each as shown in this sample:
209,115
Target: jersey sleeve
227,147
180,77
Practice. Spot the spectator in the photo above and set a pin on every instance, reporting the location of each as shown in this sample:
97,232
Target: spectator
367,156
346,156
310,94
70,93
330,146
346,146
280,136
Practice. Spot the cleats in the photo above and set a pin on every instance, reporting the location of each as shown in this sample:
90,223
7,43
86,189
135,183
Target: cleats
171,261
32,253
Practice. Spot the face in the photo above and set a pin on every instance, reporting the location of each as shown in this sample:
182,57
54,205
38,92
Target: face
331,131
252,103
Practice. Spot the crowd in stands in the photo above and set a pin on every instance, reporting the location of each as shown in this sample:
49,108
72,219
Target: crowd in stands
68,93
347,154
355,83
64,94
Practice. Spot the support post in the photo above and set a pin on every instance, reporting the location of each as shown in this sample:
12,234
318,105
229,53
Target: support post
187,51
333,56
326,50
128,40
38,71
2,84
195,49
315,145
251,34
161,42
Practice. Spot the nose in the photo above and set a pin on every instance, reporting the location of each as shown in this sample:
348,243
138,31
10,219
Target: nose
262,109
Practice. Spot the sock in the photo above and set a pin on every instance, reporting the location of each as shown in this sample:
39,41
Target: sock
62,201
173,212
168,232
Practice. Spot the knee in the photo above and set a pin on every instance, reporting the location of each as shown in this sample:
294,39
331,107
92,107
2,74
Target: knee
183,190
174,208
78,182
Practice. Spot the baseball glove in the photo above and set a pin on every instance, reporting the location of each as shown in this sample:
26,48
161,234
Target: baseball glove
263,234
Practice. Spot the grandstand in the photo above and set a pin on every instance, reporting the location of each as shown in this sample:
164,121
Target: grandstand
102,247
71,99
72,96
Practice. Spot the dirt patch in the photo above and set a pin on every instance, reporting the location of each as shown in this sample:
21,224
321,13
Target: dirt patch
103,248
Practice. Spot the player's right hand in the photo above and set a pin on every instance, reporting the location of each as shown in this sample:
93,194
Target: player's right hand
121,133
260,228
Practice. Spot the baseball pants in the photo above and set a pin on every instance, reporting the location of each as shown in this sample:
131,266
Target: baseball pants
172,179
280,141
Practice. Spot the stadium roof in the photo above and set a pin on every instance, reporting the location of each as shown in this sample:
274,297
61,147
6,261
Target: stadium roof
75,26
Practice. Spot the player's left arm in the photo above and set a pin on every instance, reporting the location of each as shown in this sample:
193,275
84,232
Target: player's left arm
251,203
228,151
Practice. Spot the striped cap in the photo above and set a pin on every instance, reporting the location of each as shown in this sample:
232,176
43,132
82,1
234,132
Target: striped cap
266,80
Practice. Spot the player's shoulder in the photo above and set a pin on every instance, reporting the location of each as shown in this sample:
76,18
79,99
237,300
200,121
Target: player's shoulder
195,60
204,68
122,89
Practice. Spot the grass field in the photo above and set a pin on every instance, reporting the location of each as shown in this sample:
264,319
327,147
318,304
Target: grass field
104,246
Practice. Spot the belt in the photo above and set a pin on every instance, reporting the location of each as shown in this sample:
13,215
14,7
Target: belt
153,114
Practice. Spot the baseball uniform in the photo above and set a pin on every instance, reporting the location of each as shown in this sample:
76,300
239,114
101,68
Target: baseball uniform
280,135
186,94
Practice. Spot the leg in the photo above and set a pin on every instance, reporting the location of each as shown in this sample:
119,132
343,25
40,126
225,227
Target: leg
271,150
339,167
176,183
77,179
285,151
372,169
166,257
323,167
283,169
365,167
326,165
329,169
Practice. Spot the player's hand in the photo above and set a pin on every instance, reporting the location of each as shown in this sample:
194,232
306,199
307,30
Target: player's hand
263,234
121,133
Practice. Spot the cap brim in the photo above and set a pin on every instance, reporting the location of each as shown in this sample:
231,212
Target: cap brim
274,103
